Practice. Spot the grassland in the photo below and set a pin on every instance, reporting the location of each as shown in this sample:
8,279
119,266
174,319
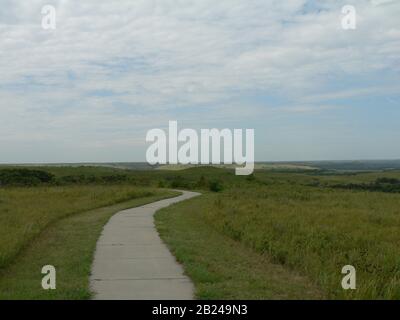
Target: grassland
222,268
274,235
25,212
257,166
57,226
68,245
305,227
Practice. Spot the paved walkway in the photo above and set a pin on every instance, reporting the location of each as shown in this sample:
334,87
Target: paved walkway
131,262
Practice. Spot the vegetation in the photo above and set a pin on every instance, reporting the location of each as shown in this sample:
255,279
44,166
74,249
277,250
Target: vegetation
219,266
26,212
274,234
216,186
68,244
24,177
311,230
380,185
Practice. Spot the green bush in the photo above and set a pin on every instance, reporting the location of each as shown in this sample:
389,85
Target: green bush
161,184
390,185
25,177
92,179
202,183
216,186
180,182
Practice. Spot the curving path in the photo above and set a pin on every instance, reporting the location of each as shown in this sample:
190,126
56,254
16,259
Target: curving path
131,262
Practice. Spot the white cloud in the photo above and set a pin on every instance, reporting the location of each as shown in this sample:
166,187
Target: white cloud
156,56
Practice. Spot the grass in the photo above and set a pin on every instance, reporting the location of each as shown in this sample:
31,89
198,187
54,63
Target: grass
68,244
25,212
222,268
274,235
311,231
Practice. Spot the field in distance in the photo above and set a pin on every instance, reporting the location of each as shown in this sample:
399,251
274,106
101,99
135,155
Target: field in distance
276,234
348,165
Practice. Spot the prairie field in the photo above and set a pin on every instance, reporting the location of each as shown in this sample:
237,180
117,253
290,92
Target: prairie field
311,229
272,235
58,226
25,212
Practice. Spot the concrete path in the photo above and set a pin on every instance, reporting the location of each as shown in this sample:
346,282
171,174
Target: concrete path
131,262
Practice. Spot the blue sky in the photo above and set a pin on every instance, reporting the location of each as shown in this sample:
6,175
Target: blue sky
90,90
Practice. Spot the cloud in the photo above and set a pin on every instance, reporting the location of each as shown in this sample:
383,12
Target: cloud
137,63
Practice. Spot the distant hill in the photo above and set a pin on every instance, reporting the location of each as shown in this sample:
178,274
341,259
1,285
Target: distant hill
356,165
345,165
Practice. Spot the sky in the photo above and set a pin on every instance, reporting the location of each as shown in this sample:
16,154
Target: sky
90,90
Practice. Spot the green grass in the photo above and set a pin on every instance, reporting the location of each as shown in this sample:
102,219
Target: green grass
25,212
277,235
222,268
311,231
68,242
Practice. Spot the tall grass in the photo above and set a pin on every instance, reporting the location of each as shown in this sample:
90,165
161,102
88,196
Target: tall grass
317,231
25,212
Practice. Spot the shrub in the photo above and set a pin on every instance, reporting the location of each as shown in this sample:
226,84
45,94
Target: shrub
115,178
251,177
179,182
202,182
389,185
25,177
387,180
161,184
216,186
